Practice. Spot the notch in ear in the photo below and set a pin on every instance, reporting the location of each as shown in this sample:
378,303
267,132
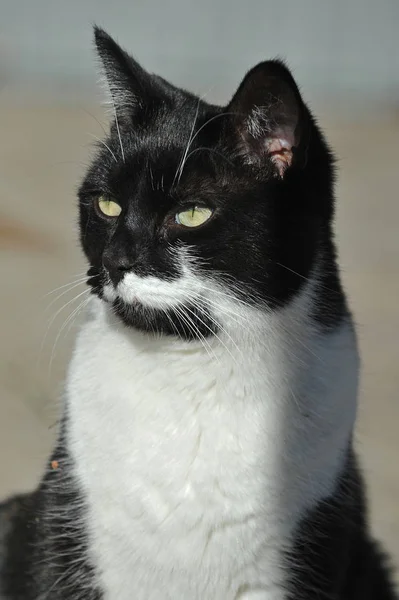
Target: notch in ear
129,85
270,117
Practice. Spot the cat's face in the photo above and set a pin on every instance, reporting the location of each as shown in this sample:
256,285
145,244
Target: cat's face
190,207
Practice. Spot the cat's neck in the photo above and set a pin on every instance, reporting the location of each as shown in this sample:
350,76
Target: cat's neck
281,357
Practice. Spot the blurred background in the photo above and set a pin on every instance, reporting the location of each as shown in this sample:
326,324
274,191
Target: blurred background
344,54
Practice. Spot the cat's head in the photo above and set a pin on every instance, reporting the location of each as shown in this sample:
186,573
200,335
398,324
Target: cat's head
189,207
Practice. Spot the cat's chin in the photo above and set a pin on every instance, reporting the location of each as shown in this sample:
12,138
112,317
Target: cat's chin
183,322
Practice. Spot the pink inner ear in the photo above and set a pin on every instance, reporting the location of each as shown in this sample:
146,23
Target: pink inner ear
280,147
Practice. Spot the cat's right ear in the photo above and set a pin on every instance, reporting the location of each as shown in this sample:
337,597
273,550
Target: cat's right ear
127,83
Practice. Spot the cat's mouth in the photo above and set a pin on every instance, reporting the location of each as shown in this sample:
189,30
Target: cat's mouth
102,286
152,291
156,306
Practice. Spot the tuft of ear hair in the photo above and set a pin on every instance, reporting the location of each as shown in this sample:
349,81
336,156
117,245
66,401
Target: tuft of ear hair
130,86
270,117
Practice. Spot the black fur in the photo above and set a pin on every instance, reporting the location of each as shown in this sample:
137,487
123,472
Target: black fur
44,545
333,556
271,228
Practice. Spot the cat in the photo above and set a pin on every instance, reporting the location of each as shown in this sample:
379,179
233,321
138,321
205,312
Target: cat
206,444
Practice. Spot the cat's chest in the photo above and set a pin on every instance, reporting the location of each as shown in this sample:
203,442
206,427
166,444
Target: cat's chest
171,430
196,467
178,470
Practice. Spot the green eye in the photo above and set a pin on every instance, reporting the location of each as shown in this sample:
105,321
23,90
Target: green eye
194,217
108,207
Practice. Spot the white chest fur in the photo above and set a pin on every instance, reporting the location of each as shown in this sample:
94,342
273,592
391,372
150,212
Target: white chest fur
196,466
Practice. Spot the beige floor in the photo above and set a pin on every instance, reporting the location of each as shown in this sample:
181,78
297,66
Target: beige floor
42,154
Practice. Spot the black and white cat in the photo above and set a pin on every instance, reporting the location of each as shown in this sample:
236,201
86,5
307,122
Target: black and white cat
205,451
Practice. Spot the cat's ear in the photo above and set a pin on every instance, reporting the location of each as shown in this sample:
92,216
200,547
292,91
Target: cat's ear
128,84
269,117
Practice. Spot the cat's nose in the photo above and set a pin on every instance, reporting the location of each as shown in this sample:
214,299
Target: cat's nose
117,264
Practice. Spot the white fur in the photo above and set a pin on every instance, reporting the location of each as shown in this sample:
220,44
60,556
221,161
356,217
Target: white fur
198,462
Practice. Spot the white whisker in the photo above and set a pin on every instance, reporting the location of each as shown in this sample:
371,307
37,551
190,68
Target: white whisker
81,277
104,144
69,289
117,127
95,118
67,320
220,327
175,330
192,138
70,319
197,334
212,332
181,164
58,312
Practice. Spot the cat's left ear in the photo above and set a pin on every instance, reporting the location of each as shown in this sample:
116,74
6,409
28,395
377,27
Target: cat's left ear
130,86
270,119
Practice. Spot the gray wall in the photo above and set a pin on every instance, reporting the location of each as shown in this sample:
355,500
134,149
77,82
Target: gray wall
337,47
